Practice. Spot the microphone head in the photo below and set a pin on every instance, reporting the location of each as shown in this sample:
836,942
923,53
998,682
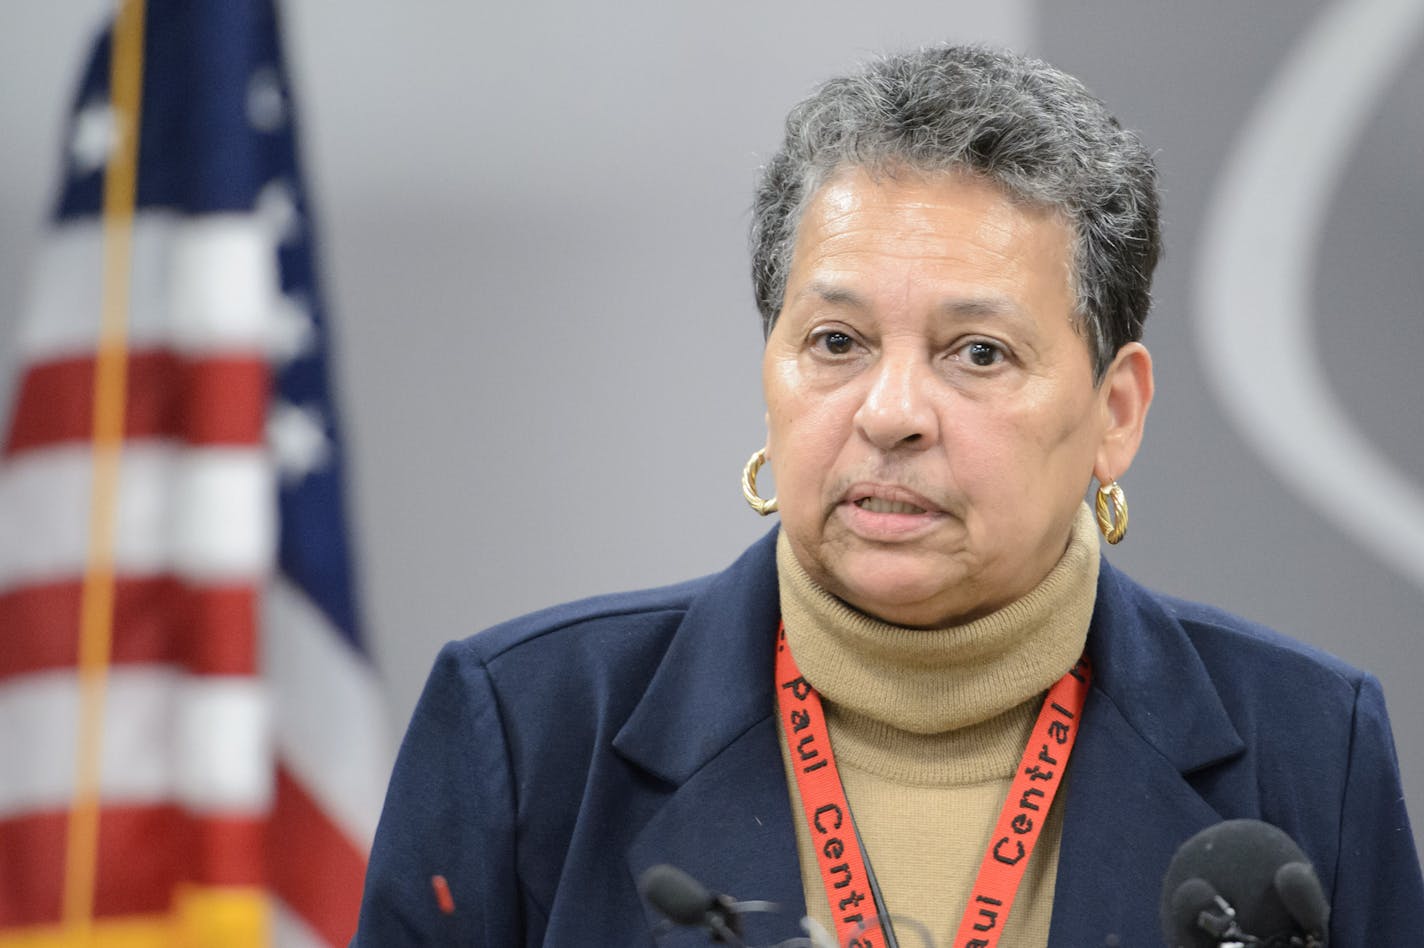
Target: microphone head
1242,861
1300,892
681,898
1182,907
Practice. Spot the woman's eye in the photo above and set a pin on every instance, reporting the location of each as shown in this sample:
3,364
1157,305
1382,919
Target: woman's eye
836,343
982,354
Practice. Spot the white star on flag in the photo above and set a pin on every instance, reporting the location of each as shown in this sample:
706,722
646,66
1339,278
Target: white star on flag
266,106
94,136
292,333
277,209
297,438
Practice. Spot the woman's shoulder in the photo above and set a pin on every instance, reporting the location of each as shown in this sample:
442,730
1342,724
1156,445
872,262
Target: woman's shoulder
644,620
610,640
568,624
1239,650
1214,629
576,668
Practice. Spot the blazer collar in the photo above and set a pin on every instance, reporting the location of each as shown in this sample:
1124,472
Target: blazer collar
1146,665
714,683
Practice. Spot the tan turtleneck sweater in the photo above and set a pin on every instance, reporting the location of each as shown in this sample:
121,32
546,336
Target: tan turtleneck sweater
928,726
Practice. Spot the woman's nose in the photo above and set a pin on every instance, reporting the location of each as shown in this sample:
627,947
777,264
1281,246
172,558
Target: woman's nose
897,410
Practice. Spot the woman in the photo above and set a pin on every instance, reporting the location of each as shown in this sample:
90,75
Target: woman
925,694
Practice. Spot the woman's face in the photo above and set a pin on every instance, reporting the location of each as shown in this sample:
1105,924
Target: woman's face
932,419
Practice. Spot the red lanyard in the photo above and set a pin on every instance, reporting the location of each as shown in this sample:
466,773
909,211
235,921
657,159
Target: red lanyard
844,869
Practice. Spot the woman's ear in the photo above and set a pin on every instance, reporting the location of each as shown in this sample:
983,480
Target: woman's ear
1126,393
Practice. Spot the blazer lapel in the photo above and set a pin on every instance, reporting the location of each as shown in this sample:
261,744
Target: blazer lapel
729,827
706,727
1127,811
1153,724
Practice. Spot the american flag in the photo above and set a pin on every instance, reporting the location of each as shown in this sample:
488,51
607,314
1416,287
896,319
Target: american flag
193,748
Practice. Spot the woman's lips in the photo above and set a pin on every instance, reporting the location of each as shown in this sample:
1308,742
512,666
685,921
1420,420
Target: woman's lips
884,512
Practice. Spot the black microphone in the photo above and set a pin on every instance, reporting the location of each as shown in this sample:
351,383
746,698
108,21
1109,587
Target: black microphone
682,900
685,901
1243,882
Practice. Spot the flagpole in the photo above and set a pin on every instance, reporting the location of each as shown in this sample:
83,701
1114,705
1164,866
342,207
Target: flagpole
110,382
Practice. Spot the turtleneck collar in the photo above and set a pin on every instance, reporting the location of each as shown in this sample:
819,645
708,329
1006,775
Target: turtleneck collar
930,681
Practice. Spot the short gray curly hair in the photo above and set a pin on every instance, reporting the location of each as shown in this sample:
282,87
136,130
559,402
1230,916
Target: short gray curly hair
1032,129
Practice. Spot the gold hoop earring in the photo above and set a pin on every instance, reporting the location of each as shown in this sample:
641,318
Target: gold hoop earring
1114,524
749,490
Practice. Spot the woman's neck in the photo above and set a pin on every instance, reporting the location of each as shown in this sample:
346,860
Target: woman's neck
929,681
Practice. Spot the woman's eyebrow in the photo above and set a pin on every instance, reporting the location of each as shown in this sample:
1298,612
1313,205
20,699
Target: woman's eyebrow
972,307
831,293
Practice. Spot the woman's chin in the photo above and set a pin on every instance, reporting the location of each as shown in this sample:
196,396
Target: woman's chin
909,594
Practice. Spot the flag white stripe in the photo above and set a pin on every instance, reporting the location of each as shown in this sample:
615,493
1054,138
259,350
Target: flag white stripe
225,284
208,514
203,742
331,719
200,284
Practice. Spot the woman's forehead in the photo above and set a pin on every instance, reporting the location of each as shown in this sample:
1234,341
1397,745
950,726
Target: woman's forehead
956,236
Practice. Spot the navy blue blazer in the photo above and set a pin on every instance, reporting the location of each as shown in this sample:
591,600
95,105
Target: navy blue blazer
552,759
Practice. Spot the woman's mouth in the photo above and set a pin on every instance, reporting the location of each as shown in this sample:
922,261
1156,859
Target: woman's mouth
882,506
888,513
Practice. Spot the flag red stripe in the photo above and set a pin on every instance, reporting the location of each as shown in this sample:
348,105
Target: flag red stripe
313,866
204,401
204,629
145,852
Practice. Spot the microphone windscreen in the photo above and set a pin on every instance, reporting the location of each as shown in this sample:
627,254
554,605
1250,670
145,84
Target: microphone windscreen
676,894
1301,894
1181,910
1240,860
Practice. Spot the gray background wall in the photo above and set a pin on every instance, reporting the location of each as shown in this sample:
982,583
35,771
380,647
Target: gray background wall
533,229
